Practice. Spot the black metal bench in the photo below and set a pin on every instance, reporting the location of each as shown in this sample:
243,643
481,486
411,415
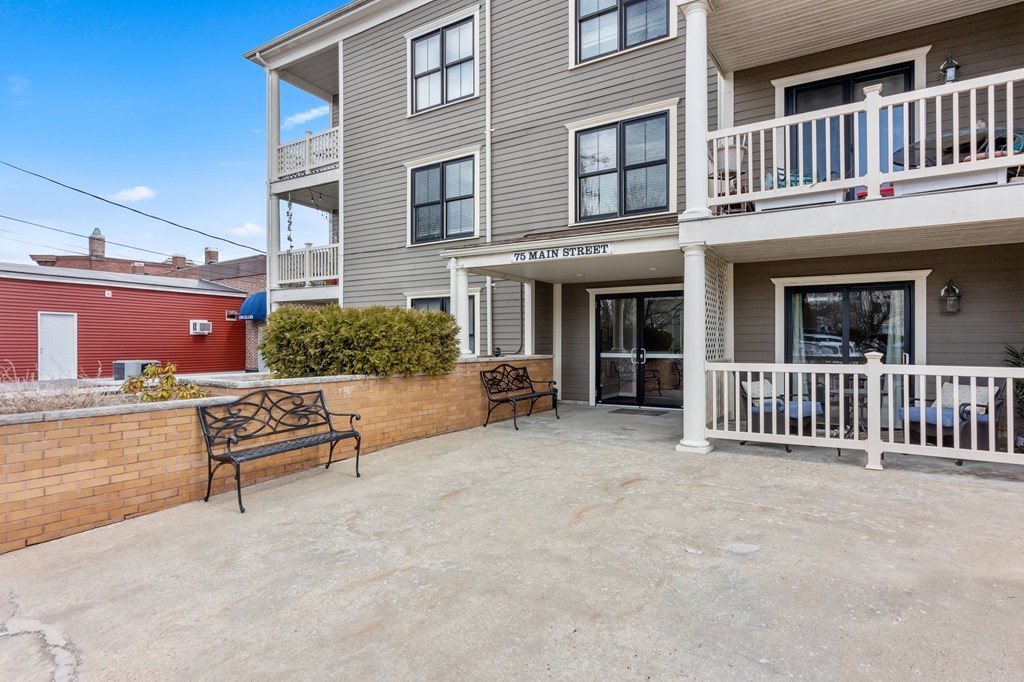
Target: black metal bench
510,385
264,414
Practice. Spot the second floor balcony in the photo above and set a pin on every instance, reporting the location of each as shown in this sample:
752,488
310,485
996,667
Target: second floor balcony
959,135
315,153
312,266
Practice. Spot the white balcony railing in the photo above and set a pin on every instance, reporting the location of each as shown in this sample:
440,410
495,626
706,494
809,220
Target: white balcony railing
961,413
955,135
311,266
312,154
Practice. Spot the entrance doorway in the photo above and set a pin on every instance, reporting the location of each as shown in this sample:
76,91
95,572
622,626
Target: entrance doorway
640,349
58,346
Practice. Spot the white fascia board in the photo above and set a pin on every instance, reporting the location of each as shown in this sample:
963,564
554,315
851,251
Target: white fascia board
574,240
320,37
980,205
481,259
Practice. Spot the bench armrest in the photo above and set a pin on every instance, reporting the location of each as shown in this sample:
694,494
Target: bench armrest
352,418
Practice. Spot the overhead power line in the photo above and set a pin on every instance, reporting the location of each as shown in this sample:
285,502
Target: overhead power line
129,208
209,268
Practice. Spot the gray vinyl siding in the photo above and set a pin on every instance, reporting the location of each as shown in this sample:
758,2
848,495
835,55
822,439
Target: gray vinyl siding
985,43
379,139
543,318
990,278
508,335
536,95
576,367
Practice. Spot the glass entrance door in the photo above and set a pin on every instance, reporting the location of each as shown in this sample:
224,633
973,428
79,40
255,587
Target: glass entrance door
640,349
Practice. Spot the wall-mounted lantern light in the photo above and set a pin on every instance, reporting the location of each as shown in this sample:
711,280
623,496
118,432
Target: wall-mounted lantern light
950,70
950,297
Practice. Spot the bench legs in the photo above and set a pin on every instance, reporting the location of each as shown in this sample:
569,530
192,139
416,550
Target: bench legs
359,444
513,403
238,481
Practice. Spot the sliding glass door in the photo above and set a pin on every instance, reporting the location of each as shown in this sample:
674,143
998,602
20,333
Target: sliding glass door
838,324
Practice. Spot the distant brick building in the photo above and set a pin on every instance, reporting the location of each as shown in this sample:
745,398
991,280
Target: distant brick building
98,260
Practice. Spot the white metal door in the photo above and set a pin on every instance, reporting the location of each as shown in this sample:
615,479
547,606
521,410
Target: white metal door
58,346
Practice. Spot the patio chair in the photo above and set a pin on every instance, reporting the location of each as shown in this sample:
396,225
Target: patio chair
625,370
761,397
949,412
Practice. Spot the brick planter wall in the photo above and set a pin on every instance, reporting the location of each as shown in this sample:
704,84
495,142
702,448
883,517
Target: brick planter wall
62,473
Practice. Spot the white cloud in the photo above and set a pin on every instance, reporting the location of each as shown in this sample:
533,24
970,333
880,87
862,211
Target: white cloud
18,86
305,117
248,230
137,193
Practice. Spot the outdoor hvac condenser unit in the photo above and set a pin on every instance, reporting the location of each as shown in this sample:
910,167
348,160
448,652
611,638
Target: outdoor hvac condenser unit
130,368
199,327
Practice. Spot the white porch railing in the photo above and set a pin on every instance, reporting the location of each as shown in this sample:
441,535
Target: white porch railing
311,266
956,135
960,413
312,154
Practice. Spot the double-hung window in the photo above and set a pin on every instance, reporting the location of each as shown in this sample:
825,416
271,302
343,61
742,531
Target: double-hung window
443,202
444,66
444,304
623,168
607,26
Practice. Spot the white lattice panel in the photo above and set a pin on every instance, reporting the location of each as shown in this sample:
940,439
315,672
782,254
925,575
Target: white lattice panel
716,304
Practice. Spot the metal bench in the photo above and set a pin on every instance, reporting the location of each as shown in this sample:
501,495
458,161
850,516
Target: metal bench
510,385
265,414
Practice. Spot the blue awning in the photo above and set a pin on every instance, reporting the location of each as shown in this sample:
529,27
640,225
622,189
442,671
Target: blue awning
254,307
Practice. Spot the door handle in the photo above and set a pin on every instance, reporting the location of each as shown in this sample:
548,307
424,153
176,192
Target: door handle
633,356
643,356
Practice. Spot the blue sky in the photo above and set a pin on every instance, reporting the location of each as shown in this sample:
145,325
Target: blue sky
150,103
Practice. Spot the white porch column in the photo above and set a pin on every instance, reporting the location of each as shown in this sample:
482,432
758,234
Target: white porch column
694,352
696,121
529,306
460,304
273,205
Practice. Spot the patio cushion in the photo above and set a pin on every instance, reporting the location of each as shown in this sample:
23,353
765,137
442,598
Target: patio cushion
963,396
758,389
913,415
796,408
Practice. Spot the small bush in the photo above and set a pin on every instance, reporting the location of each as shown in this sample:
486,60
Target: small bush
328,341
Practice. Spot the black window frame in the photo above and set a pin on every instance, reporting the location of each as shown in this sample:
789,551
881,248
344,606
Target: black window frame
622,168
445,304
443,65
909,331
621,46
443,200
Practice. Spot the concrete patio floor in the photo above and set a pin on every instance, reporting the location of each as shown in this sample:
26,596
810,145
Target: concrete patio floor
585,548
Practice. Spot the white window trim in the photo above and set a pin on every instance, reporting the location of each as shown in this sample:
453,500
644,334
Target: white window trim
673,33
474,293
592,295
410,166
918,277
918,55
671,106
410,36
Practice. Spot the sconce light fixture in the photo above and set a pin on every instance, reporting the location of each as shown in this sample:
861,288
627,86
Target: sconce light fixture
950,69
950,297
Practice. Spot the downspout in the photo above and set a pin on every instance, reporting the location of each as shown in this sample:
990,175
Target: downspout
488,282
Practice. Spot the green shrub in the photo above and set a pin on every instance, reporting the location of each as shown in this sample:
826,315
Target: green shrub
328,341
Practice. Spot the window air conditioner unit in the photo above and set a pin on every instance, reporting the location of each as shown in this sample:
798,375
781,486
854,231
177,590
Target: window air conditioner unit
200,327
131,368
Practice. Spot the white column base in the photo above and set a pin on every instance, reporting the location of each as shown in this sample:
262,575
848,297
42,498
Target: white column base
698,448
699,213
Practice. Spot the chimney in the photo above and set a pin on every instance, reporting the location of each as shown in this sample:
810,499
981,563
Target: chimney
97,244
138,268
177,262
211,255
